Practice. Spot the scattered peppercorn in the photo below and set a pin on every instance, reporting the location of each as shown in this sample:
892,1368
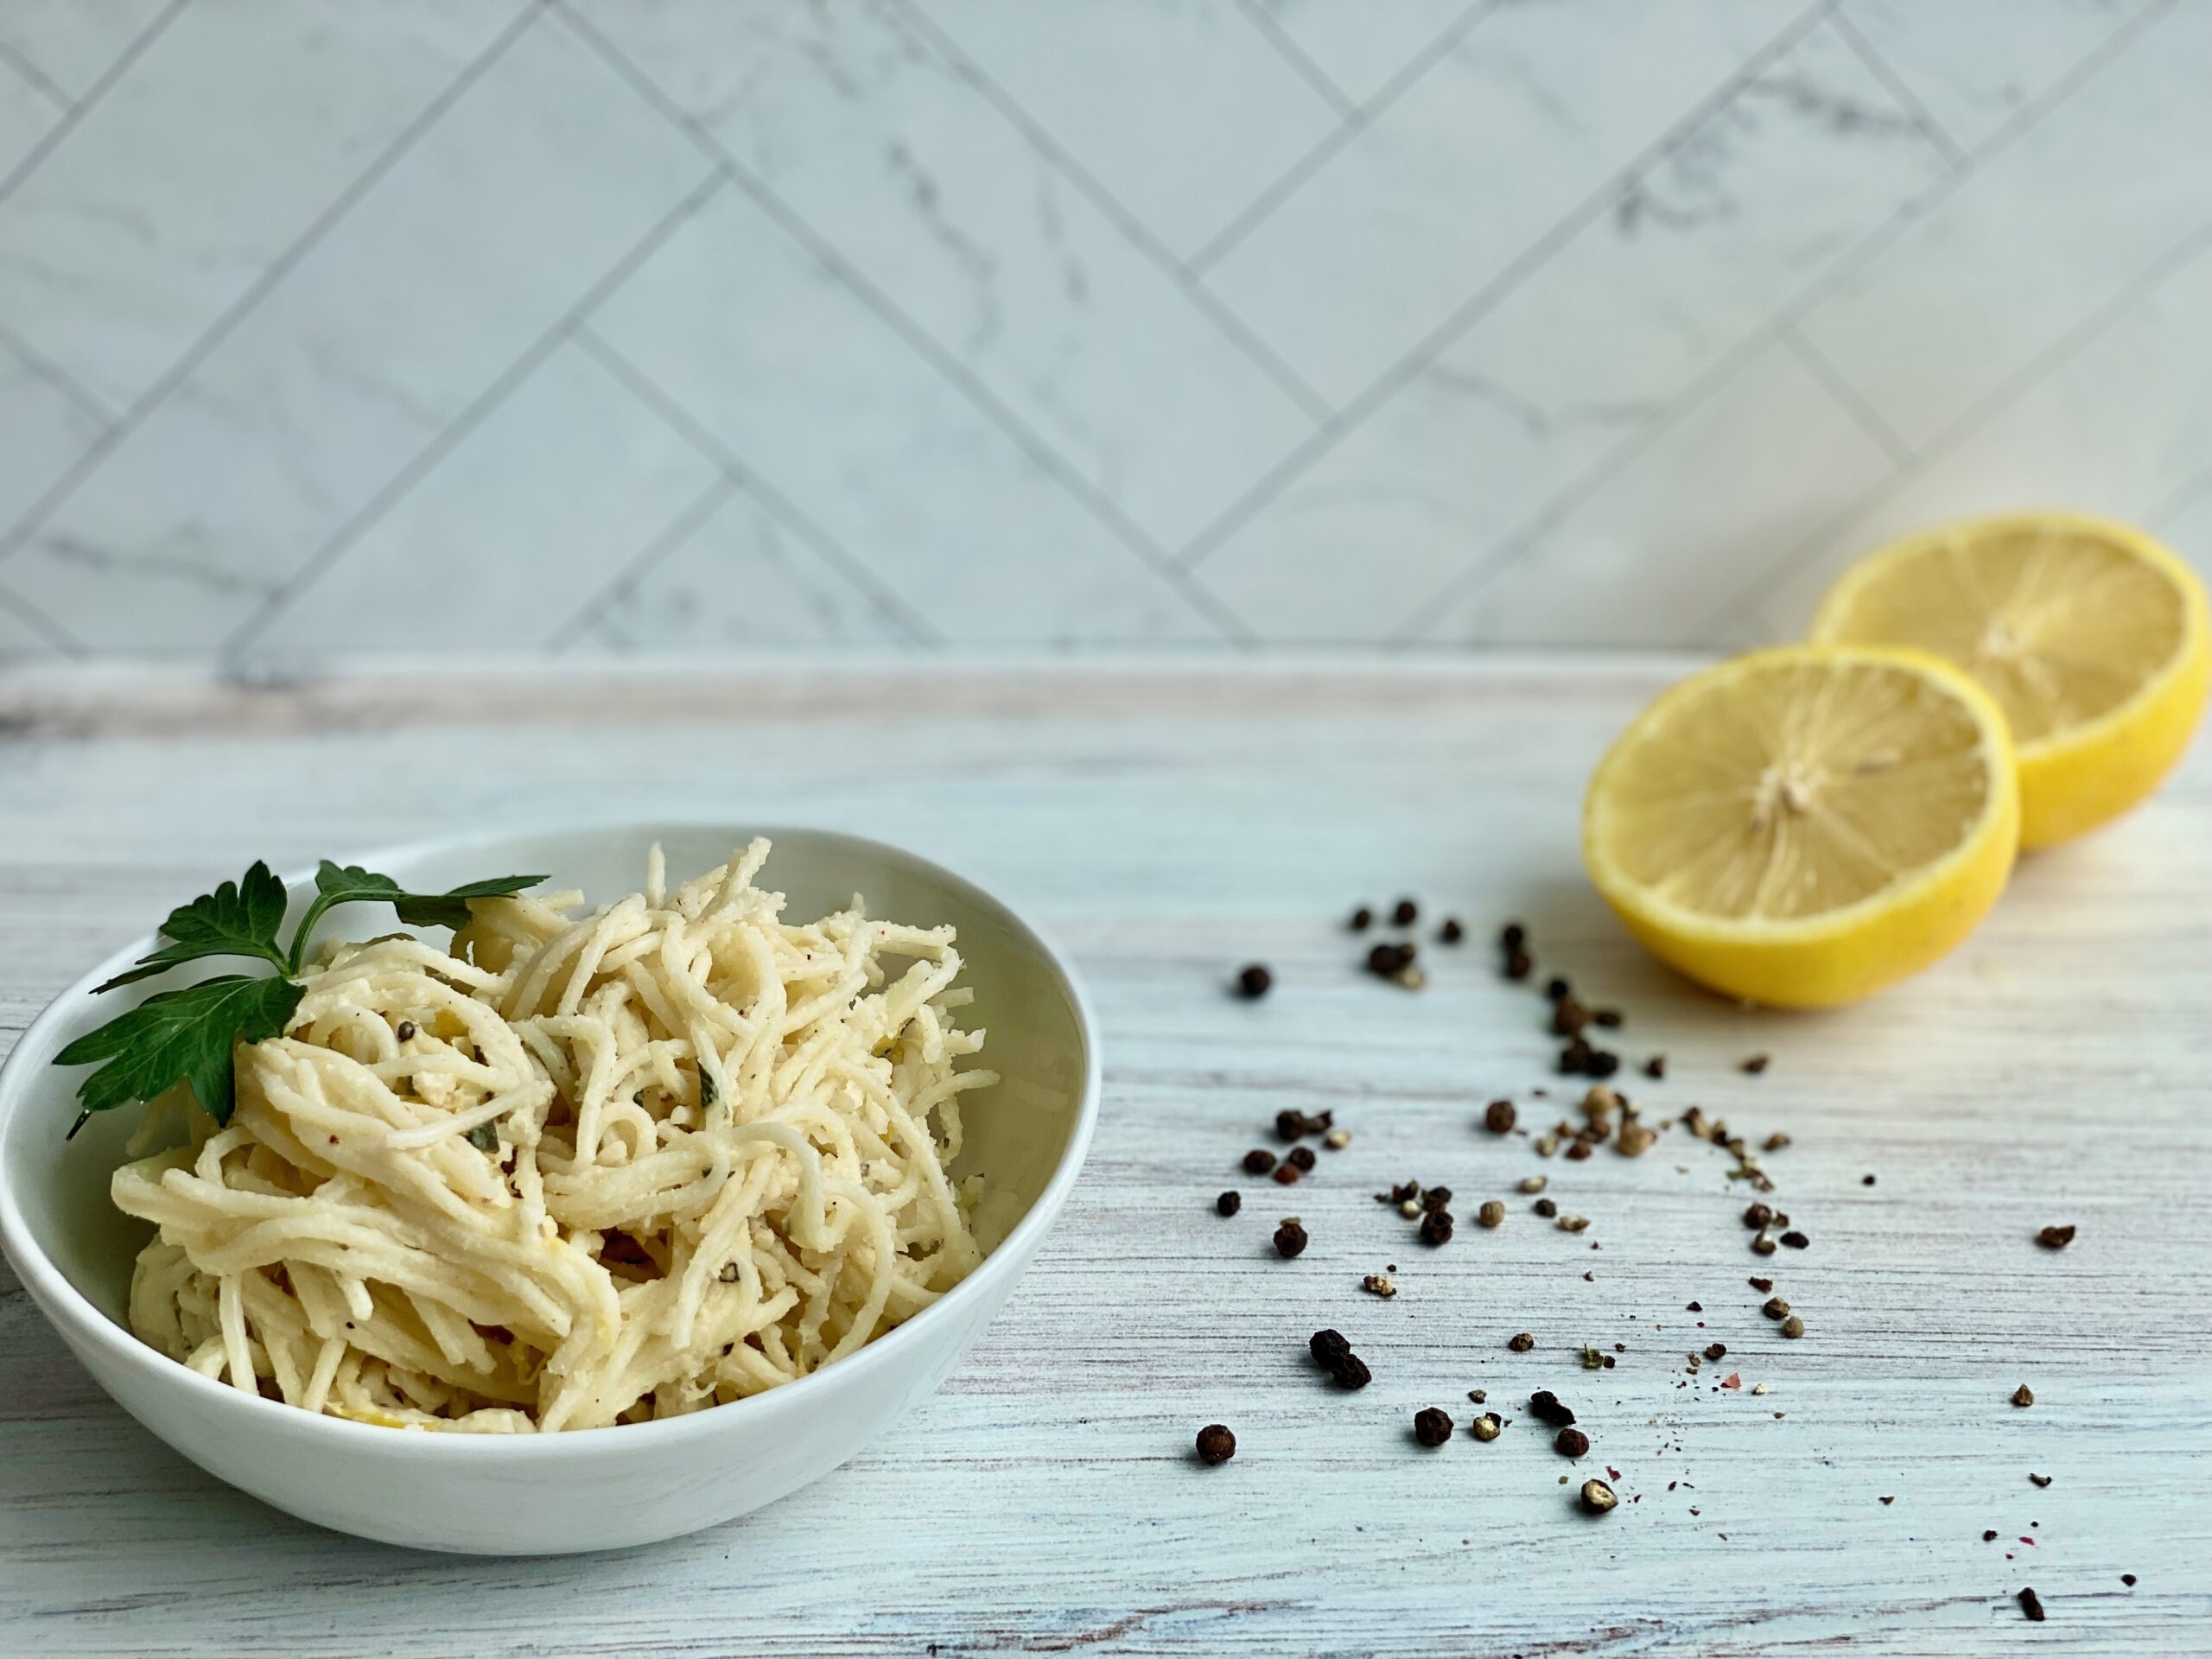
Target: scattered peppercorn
1216,1444
1755,1064
1792,1326
1865,1180
1602,1063
1499,1116
2024,1396
1287,1174
1362,920
1436,1227
1410,1209
1571,1443
1229,1203
1568,1017
1761,1284
1302,1159
1253,981
1556,989
1577,1151
1716,1351
1259,1162
1763,1244
1521,1342
1518,966
1990,1536
1492,1213
2031,1604
1486,1427
1291,1124
1512,937
1635,1139
1435,1198
1758,1215
1327,1347
1794,1239
1547,1406
1611,1018
1451,932
1775,1309
1545,1208
1572,1223
405,1030
1431,1427
1535,1183
1385,961
2127,1579
1350,1372
1378,1284
1290,1238
1656,1067
1597,1498
1776,1141
2054,1238
2039,1481
1405,913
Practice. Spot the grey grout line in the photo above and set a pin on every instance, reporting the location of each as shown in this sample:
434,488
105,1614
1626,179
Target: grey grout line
57,377
479,408
1378,391
1897,87
83,106
1479,570
659,546
1132,536
1263,23
1262,207
1852,401
1133,229
40,623
34,77
701,437
277,269
1759,588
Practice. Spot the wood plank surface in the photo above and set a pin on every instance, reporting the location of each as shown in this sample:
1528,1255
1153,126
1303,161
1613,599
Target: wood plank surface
1168,824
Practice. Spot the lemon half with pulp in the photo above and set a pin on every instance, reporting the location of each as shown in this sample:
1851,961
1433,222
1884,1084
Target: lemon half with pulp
2091,636
1804,825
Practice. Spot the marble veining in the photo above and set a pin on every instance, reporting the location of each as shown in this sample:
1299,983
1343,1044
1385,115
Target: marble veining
1111,324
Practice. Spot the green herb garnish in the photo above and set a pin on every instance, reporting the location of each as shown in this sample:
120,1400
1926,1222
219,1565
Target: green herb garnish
189,1035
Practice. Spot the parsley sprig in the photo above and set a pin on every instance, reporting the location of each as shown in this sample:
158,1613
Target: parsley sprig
189,1034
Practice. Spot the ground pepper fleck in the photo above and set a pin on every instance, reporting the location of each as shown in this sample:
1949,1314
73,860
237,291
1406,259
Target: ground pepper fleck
1216,1444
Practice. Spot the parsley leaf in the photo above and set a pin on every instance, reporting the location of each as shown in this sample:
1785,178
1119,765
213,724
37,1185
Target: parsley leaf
239,919
185,1034
348,884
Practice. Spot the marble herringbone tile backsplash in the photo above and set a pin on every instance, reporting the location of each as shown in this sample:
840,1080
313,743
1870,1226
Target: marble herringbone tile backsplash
706,325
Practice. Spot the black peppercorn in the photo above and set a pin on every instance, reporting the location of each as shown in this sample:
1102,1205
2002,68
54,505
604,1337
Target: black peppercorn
1259,1162
1512,937
1291,1125
1517,966
1547,1406
1754,1065
1435,1198
1290,1239
1216,1444
1572,1442
1499,1116
1758,1215
1521,1342
1545,1208
1716,1351
405,1032
1431,1427
1436,1227
2031,1604
1253,981
1350,1372
1568,1017
1302,1157
1795,1240
1451,932
1656,1067
1362,920
1405,913
1327,1347
2054,1238
1229,1203
1602,1063
1611,1018
1556,990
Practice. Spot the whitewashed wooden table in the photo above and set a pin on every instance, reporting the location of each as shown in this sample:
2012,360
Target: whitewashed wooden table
1169,824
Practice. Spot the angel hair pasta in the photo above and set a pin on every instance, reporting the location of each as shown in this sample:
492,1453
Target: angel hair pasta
573,1170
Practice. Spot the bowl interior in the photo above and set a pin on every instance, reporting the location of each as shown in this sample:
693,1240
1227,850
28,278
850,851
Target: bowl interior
1016,1133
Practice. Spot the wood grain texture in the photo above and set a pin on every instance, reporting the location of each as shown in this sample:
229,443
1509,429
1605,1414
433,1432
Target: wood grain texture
1168,824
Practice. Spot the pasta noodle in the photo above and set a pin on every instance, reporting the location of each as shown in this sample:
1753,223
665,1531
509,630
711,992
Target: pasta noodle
573,1170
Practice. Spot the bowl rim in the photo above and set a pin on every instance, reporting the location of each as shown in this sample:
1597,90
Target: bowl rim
75,1316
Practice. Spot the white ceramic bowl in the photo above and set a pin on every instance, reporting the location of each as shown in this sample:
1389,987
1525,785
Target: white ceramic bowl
587,1489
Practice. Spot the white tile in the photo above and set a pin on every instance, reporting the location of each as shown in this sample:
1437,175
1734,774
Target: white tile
1766,462
941,203
515,528
1529,113
1697,252
1182,109
744,581
1359,47
2040,236
2117,429
72,42
812,390
1975,63
42,433
217,149
528,192
20,642
26,115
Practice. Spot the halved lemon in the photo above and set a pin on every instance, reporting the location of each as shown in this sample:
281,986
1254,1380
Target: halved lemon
1804,825
2091,636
